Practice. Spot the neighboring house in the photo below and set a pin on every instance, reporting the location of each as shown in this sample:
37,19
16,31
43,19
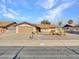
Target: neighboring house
72,29
7,26
69,27
77,28
46,27
4,23
2,29
26,27
3,26
11,27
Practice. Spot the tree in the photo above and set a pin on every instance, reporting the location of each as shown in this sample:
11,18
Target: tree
45,22
60,24
70,21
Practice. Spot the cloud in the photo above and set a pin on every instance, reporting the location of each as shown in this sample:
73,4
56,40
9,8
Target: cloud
14,15
56,12
2,1
12,11
13,2
24,3
47,4
9,15
9,12
23,18
2,6
67,0
17,3
6,12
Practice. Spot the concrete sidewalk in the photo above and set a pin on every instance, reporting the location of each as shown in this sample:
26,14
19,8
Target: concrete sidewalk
40,43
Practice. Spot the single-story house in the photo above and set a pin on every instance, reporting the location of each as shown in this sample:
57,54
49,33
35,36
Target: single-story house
69,27
11,27
3,26
26,27
2,29
8,26
2,23
77,28
46,27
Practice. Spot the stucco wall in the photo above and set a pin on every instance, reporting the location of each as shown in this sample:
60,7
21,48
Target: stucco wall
2,30
25,27
46,30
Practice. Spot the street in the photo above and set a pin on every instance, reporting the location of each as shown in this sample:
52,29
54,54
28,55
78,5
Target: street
42,52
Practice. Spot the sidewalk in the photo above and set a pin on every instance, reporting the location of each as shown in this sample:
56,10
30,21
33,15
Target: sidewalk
40,43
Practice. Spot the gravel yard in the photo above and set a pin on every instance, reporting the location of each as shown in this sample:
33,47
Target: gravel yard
21,39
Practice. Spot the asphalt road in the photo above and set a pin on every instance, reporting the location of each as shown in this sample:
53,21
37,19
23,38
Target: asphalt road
41,52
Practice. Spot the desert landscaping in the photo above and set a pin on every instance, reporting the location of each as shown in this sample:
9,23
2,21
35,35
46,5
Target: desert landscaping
22,39
44,34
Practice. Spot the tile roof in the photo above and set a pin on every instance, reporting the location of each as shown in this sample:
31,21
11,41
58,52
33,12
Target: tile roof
69,25
46,26
6,24
2,27
27,23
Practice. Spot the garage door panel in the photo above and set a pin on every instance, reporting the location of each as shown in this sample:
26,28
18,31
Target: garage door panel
25,29
11,30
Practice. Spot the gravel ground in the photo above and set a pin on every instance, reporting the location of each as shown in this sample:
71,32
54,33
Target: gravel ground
21,39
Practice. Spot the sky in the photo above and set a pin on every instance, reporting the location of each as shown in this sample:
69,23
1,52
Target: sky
35,11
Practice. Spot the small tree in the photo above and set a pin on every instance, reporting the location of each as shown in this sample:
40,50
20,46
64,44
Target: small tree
45,22
60,24
70,21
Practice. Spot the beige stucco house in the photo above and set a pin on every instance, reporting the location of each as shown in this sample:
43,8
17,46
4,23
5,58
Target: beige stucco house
11,28
46,27
8,27
26,27
2,29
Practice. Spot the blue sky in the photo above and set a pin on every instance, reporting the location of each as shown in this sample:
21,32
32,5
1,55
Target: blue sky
35,11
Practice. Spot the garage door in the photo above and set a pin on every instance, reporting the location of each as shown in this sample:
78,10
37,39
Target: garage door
11,30
25,29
